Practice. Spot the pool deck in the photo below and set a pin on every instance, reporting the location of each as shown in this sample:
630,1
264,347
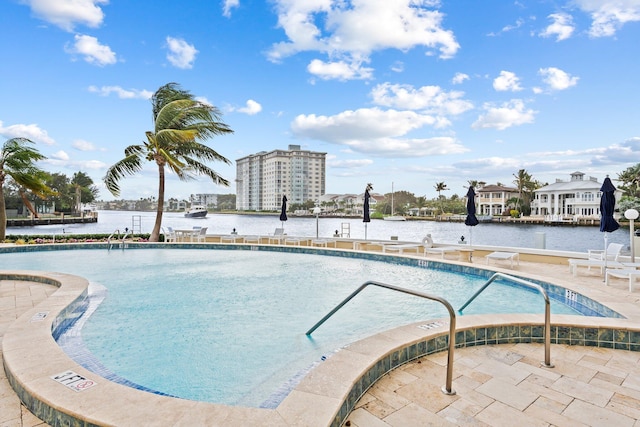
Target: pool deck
496,385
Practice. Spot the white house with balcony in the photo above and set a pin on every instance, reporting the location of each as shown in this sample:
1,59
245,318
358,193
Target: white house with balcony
577,198
492,199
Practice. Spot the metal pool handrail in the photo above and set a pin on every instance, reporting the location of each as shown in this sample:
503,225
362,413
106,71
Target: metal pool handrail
111,235
446,389
547,310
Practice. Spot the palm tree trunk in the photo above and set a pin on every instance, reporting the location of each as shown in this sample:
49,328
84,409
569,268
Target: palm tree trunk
3,214
27,203
155,234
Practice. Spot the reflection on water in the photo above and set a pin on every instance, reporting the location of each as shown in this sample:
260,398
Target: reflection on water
566,238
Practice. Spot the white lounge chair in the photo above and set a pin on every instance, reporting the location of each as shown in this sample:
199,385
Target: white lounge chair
427,242
623,273
504,256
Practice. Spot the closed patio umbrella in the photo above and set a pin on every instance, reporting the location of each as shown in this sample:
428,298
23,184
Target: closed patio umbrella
471,220
607,206
283,210
366,218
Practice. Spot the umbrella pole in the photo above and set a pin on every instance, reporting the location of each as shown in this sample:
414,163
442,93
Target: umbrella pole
365,231
604,255
471,243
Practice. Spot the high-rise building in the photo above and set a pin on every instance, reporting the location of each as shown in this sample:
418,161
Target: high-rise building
263,178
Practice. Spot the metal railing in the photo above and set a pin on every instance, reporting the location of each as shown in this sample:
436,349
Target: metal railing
116,231
446,389
547,309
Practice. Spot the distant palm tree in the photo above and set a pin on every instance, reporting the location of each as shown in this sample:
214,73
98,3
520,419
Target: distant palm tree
440,187
180,122
17,160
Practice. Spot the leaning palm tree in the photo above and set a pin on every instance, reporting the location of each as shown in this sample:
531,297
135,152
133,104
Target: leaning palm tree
180,123
17,160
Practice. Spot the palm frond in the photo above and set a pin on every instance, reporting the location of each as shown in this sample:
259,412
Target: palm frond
127,166
199,168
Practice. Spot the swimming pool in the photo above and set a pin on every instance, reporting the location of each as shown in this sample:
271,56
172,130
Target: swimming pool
242,352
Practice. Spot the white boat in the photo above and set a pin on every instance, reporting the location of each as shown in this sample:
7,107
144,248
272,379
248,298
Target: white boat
393,217
196,211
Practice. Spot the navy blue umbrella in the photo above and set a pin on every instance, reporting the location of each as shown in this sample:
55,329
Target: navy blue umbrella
365,214
471,219
283,210
607,207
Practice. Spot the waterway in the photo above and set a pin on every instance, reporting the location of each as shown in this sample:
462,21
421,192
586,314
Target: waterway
565,238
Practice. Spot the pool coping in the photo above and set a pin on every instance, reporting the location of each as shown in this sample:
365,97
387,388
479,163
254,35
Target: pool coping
324,397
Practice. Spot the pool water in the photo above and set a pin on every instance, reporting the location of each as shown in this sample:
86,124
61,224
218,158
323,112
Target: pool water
228,326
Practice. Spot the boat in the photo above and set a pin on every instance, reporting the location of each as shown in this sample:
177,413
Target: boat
196,211
393,217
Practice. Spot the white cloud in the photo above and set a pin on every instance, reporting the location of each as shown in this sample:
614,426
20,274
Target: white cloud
508,28
349,164
608,16
60,155
562,27
459,78
66,14
348,32
32,132
181,54
376,132
121,93
92,51
431,99
339,70
557,79
251,108
82,145
512,113
507,81
228,5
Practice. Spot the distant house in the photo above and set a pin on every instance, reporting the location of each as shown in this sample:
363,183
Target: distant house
578,197
492,199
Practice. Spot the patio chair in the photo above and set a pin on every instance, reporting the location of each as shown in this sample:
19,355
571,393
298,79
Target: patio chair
201,235
611,254
278,235
427,242
169,237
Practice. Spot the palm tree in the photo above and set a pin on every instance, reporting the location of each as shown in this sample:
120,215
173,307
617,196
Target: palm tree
440,187
17,159
525,184
180,122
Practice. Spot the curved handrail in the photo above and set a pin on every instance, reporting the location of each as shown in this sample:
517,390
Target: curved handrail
446,389
547,309
124,237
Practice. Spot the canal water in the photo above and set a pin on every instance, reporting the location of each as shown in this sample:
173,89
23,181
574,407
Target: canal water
564,238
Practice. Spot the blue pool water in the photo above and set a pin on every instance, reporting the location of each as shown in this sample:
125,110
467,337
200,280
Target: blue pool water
228,326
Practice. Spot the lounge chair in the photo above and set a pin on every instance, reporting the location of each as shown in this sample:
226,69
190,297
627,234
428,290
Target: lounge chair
504,256
596,258
427,242
623,273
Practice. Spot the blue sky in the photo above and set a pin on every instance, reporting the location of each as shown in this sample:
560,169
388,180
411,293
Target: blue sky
412,92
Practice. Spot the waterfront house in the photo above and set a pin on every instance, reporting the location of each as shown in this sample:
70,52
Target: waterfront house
493,199
569,200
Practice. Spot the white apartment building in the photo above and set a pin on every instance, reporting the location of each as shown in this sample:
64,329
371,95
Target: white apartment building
206,200
263,178
578,197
